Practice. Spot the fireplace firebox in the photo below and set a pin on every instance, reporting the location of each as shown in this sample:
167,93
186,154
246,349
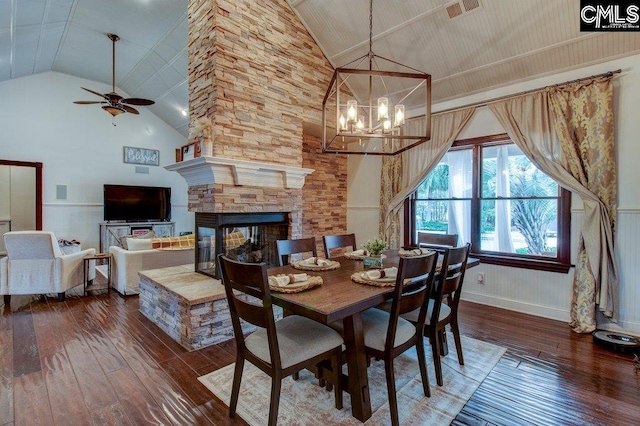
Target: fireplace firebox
246,237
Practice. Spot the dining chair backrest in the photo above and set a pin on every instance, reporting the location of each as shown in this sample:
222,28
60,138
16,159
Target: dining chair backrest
451,277
413,284
289,247
332,242
241,279
437,241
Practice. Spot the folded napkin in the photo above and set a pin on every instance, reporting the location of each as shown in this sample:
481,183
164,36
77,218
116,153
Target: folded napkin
413,252
317,261
285,280
376,274
361,252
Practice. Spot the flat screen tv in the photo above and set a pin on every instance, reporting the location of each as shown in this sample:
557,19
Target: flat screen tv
136,203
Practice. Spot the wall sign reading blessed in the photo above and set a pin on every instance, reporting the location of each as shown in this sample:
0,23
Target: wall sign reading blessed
148,157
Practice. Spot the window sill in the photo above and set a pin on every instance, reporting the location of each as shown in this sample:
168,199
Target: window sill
521,262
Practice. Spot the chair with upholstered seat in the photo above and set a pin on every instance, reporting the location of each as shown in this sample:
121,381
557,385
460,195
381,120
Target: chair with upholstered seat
387,334
332,242
288,247
437,241
448,285
279,348
35,265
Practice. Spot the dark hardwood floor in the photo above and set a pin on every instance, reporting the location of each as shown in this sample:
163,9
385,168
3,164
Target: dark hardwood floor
97,360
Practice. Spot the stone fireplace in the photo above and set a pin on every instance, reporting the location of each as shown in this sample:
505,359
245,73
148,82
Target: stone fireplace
241,207
245,237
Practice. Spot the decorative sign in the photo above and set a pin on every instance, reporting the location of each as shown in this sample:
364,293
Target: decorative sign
148,157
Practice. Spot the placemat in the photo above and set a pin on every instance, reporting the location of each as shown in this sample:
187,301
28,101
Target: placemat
298,287
309,267
384,282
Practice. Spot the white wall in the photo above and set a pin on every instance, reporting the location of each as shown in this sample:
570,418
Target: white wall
80,148
544,293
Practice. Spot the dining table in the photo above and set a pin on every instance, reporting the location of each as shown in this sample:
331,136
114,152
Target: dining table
341,298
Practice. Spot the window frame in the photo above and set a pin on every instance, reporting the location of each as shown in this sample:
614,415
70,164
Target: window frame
561,263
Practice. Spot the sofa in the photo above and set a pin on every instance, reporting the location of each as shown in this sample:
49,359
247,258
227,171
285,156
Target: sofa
144,254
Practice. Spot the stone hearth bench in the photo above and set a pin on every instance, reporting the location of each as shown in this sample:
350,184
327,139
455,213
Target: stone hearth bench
190,307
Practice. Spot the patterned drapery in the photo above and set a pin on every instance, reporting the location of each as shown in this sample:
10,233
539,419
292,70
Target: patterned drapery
584,123
567,132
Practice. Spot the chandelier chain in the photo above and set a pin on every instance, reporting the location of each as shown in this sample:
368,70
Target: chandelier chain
370,30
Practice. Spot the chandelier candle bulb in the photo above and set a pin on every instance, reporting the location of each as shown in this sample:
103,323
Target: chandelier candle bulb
383,108
399,113
343,122
352,110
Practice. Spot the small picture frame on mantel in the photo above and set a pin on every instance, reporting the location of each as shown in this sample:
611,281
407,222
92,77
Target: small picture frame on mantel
190,151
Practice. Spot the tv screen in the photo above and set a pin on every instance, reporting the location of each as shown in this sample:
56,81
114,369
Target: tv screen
136,203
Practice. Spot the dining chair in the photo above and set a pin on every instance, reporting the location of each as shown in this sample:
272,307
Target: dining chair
289,247
448,285
338,241
437,241
387,334
278,348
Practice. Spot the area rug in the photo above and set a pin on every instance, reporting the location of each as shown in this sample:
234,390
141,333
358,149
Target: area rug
303,402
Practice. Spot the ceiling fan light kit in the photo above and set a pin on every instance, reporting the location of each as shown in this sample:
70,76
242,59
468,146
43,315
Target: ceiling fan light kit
112,102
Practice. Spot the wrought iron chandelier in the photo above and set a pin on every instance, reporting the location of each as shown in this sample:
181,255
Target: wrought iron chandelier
365,110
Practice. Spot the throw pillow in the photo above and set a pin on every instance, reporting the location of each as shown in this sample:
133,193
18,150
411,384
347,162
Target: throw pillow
135,244
174,243
123,240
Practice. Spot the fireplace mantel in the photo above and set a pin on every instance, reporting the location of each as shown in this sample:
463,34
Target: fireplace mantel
210,170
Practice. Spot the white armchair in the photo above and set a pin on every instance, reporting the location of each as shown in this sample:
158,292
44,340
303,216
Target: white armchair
35,265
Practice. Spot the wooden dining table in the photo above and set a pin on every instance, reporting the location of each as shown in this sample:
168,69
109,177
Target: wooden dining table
340,298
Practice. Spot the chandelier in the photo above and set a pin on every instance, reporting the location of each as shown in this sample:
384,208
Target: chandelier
365,109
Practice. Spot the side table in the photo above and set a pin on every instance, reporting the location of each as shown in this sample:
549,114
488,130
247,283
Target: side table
102,259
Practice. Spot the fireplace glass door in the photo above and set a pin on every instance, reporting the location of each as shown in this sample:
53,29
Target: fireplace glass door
249,237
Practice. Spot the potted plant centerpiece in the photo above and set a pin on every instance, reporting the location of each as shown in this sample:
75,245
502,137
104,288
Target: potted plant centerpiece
374,248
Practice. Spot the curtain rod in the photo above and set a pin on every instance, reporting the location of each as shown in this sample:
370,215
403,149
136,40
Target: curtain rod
526,92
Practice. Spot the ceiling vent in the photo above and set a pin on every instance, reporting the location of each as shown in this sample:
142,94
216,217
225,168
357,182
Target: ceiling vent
462,7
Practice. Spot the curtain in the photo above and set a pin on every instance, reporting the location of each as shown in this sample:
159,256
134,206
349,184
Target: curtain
401,176
567,132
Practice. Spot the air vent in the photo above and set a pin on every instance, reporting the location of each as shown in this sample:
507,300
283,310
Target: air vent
462,7
469,5
454,10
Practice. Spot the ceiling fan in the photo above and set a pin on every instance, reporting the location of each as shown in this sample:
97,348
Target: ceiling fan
113,103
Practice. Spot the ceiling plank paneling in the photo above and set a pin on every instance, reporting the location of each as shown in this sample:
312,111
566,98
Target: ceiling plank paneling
499,43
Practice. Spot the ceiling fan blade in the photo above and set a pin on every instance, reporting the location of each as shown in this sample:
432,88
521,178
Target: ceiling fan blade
137,101
87,102
95,93
129,109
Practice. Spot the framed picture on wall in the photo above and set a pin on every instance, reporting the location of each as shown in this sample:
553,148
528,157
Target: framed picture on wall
148,157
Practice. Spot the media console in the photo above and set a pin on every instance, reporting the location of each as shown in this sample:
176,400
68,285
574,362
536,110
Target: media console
111,231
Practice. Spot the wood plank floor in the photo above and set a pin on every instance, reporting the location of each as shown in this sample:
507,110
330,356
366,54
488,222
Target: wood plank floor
97,360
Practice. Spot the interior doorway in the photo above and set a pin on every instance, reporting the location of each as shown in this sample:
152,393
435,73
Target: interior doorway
20,197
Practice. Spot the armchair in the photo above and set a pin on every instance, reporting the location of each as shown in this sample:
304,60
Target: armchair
35,265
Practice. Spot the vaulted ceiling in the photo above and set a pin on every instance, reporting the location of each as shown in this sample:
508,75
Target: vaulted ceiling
467,46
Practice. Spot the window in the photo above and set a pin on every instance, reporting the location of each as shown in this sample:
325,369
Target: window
490,194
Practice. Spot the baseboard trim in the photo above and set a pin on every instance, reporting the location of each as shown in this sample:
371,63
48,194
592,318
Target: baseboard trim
517,306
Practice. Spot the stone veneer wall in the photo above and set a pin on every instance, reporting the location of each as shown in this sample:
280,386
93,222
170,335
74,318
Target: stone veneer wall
258,75
324,191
